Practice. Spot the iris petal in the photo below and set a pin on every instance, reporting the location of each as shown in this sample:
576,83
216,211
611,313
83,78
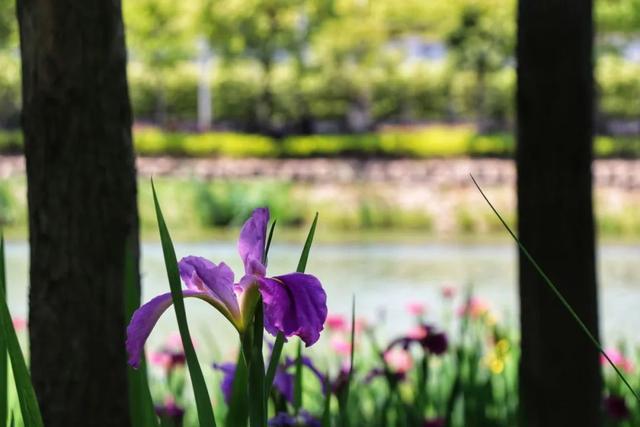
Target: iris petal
200,274
144,319
294,304
252,241
228,370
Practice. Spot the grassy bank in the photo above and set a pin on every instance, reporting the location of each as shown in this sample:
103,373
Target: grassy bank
437,141
214,209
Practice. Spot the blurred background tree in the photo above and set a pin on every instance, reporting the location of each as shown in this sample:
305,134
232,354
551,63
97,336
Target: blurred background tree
342,66
160,36
482,42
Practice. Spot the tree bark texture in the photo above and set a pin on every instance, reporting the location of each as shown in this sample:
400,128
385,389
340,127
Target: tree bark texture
560,378
82,206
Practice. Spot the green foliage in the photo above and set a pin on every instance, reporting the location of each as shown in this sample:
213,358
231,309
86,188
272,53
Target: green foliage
7,204
224,204
8,23
11,142
151,141
159,32
10,91
617,16
29,408
619,87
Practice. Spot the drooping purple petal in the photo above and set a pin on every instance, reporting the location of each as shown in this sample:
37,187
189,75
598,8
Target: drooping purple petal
294,304
228,370
200,274
251,244
145,318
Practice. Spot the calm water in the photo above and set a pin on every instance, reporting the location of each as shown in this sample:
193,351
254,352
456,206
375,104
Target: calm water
384,277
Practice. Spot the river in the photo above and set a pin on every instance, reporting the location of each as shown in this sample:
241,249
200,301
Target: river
384,277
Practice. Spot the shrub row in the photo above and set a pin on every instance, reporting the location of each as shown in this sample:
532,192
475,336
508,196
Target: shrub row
432,141
407,93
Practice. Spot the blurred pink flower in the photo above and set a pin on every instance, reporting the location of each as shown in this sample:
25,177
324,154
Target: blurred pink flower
160,358
19,323
618,359
448,291
476,307
361,324
174,342
399,360
336,322
340,345
416,308
418,332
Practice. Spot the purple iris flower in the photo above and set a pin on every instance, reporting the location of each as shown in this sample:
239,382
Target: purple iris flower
303,419
616,407
432,341
170,411
433,422
282,382
228,374
294,304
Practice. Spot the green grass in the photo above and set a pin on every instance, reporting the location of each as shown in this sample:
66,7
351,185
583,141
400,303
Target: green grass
201,210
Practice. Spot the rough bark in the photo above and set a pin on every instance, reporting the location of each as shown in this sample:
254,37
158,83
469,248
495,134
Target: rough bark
82,206
560,379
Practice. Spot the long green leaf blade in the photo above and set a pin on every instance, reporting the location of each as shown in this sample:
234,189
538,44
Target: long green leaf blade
279,343
4,383
557,293
304,257
252,350
140,403
343,399
203,402
265,261
26,395
326,409
239,405
297,384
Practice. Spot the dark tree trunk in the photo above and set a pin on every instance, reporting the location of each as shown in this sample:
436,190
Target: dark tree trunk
82,206
560,379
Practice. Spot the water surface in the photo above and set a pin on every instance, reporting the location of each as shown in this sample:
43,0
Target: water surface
384,277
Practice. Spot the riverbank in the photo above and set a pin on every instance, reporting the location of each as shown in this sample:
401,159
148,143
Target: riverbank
389,199
618,173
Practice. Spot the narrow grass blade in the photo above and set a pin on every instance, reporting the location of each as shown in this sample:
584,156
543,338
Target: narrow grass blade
279,343
239,404
297,384
252,349
265,261
140,403
353,341
4,383
326,410
203,402
557,293
273,363
344,397
26,395
304,257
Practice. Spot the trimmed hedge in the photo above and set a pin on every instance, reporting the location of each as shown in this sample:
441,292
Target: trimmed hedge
438,141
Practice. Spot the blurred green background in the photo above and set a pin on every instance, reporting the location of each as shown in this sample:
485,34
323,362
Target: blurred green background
283,68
